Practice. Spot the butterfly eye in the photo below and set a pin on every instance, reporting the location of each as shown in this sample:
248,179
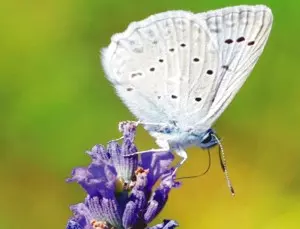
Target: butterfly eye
207,138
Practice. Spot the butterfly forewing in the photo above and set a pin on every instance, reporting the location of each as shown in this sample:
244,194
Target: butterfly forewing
242,34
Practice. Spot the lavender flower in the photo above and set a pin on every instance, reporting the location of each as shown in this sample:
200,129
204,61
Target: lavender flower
120,189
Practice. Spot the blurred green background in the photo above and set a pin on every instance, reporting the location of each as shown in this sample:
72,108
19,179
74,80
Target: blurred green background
56,104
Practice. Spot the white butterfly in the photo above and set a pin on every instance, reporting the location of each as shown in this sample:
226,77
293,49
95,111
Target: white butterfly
177,71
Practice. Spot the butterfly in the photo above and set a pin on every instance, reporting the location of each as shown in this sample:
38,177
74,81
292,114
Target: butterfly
178,71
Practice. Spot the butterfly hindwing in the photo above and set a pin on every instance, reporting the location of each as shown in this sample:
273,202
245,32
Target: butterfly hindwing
156,63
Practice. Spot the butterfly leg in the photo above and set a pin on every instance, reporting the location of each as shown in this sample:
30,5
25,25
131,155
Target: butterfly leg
136,124
115,140
180,152
163,144
148,123
121,129
148,151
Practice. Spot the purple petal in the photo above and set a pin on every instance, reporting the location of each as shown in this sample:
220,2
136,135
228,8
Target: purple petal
167,224
152,210
168,180
73,225
158,163
98,153
125,166
104,209
96,209
128,164
130,214
114,150
78,175
102,171
92,186
112,211
82,177
80,210
128,129
139,198
78,219
160,196
95,179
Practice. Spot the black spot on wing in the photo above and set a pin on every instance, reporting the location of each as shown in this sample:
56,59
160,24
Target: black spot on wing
209,72
136,74
226,67
240,39
228,41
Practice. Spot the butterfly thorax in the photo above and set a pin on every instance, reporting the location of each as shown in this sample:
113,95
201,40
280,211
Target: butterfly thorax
178,137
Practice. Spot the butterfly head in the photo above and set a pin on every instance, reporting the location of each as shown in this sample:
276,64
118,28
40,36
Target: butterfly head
207,139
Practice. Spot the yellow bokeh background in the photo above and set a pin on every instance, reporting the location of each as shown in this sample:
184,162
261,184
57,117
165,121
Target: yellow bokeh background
56,104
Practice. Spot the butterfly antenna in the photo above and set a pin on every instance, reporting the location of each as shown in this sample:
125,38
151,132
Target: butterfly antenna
199,175
224,165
